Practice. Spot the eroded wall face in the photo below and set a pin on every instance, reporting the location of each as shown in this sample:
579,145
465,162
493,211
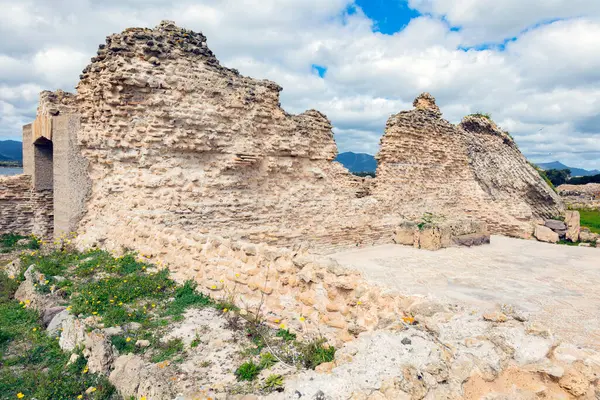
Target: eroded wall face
24,210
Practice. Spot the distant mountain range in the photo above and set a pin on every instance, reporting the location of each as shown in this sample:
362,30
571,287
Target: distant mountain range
574,171
357,162
362,162
11,150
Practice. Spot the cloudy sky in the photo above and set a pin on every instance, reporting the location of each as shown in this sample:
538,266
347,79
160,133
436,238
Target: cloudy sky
533,64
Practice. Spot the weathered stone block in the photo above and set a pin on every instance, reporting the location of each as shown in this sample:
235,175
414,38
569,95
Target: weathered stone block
545,234
572,220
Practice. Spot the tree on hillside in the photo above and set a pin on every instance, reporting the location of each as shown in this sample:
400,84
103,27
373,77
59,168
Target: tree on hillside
558,177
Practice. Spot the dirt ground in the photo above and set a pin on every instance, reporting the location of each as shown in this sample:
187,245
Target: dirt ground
557,285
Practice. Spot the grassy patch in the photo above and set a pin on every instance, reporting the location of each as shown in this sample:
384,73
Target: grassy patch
166,351
591,220
10,242
185,297
479,114
31,363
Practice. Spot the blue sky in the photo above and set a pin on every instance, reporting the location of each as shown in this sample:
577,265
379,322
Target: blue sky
534,65
390,16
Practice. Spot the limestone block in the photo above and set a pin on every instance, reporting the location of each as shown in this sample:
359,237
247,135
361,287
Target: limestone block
545,234
586,236
404,234
555,225
572,219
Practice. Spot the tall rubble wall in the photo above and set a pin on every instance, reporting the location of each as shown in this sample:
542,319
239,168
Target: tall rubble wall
429,166
178,140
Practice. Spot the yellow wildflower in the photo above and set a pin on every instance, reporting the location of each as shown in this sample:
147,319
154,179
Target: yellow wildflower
35,329
225,310
128,339
11,277
277,321
20,395
302,319
153,305
408,320
85,370
282,326
359,303
125,281
213,287
95,312
120,303
27,301
46,282
80,396
92,389
143,398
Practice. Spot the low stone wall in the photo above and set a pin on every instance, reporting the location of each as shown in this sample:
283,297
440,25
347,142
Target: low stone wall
439,235
304,292
24,210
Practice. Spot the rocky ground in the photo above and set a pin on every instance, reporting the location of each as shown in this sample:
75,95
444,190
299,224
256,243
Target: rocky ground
124,329
95,326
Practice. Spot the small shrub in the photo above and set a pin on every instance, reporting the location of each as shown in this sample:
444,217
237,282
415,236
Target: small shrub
267,360
316,352
286,335
480,114
248,371
195,342
273,383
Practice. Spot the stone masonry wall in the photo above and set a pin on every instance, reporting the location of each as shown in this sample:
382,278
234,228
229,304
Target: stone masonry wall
427,165
23,210
175,140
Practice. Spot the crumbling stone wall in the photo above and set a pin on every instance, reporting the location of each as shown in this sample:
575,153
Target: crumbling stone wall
175,138
427,165
24,210
176,141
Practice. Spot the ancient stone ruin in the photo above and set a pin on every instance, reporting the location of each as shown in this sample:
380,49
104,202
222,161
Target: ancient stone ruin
164,151
176,141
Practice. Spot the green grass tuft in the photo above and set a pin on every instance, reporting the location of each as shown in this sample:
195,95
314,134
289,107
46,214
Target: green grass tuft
248,371
591,220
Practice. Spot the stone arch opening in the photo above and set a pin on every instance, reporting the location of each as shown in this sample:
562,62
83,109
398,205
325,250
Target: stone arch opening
43,156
